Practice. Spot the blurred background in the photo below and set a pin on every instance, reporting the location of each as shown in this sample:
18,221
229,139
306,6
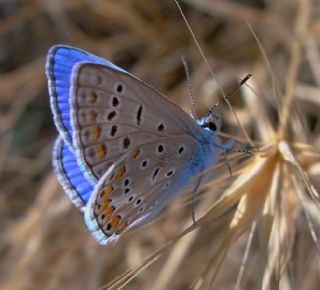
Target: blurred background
44,243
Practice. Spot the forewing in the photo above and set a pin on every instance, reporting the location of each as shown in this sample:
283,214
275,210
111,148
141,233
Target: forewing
61,61
137,187
113,112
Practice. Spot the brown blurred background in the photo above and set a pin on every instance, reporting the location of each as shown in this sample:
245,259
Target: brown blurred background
43,240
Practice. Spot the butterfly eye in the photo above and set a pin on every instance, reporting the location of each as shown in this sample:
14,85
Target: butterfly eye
212,126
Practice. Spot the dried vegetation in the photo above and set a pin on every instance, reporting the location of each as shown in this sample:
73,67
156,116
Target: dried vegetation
256,229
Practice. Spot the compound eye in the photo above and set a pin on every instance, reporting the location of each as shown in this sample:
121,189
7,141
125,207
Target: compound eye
212,126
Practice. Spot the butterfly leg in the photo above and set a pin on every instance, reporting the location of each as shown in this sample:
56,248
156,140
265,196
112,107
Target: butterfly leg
227,147
194,199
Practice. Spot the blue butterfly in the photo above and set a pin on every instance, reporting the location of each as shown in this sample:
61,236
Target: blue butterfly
124,151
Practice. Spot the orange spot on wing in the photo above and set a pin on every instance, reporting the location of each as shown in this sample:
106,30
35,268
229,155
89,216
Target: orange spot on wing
106,190
95,133
93,97
93,116
108,213
120,172
104,204
115,221
101,150
134,154
121,228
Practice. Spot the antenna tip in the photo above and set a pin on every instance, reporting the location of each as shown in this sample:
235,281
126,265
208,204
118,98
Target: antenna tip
248,76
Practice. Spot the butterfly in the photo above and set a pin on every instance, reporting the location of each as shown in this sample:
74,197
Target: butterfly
124,151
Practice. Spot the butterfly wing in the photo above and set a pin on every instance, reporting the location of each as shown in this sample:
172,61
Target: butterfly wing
112,112
121,134
61,61
141,184
70,175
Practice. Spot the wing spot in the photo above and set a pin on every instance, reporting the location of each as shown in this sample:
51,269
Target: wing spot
144,164
138,201
141,208
104,204
111,115
169,173
108,213
119,88
181,149
101,217
93,116
126,182
95,133
120,172
114,130
115,221
139,113
121,228
126,142
101,150
135,154
130,199
115,102
160,148
160,127
127,190
106,190
93,97
155,173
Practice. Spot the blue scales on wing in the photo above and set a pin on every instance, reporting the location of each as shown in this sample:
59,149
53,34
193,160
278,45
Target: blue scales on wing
61,61
69,174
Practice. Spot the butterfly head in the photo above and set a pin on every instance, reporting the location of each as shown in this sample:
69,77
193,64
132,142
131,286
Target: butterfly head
210,122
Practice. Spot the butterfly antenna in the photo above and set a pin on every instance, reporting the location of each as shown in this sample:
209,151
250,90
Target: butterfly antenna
193,106
235,90
211,71
196,42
